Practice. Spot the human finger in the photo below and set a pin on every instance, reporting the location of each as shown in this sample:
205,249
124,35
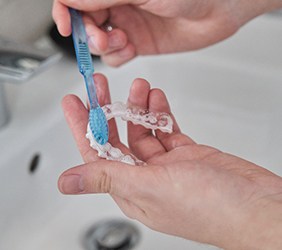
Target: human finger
61,16
103,94
102,176
159,103
120,56
77,118
89,5
102,42
99,17
141,141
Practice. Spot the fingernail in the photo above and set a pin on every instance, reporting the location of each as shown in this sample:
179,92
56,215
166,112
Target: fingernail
91,41
114,40
71,184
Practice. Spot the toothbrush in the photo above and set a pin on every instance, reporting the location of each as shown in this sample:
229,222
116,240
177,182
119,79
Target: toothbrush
97,119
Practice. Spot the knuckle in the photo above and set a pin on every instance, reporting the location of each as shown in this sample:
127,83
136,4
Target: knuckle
72,3
111,61
104,182
89,155
94,51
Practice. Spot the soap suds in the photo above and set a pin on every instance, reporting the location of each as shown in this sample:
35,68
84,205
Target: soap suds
145,118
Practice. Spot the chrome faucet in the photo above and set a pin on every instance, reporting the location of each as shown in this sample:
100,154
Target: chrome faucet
18,63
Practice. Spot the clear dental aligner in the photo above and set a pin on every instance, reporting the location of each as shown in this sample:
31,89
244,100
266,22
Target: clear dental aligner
145,118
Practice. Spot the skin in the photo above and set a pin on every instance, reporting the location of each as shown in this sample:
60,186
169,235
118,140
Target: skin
189,190
143,27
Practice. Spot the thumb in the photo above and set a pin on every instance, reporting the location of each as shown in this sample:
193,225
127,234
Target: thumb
102,176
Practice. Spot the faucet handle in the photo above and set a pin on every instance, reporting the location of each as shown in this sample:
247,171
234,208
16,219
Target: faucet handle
19,62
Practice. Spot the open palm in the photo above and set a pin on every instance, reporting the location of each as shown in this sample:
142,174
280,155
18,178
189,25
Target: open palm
186,189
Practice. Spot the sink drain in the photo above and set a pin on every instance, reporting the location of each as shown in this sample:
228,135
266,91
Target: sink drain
111,235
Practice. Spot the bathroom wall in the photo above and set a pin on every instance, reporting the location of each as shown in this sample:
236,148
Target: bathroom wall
24,20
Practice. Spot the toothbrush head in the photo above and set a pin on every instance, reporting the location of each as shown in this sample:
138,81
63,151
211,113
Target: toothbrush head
99,125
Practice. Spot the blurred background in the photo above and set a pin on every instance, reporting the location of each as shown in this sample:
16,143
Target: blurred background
24,20
228,96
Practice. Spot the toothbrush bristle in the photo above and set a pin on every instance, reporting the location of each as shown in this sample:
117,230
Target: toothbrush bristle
99,125
85,59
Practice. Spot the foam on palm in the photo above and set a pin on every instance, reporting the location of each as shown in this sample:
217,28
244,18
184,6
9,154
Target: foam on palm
145,118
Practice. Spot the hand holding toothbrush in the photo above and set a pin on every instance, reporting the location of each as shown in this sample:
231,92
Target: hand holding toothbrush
157,27
189,190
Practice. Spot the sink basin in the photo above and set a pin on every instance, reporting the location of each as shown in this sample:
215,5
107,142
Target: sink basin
225,96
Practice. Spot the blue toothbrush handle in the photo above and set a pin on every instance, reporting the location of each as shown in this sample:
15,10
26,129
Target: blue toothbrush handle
83,55
91,91
77,26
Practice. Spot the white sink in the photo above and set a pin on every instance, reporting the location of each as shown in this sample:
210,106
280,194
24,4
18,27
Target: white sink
227,96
